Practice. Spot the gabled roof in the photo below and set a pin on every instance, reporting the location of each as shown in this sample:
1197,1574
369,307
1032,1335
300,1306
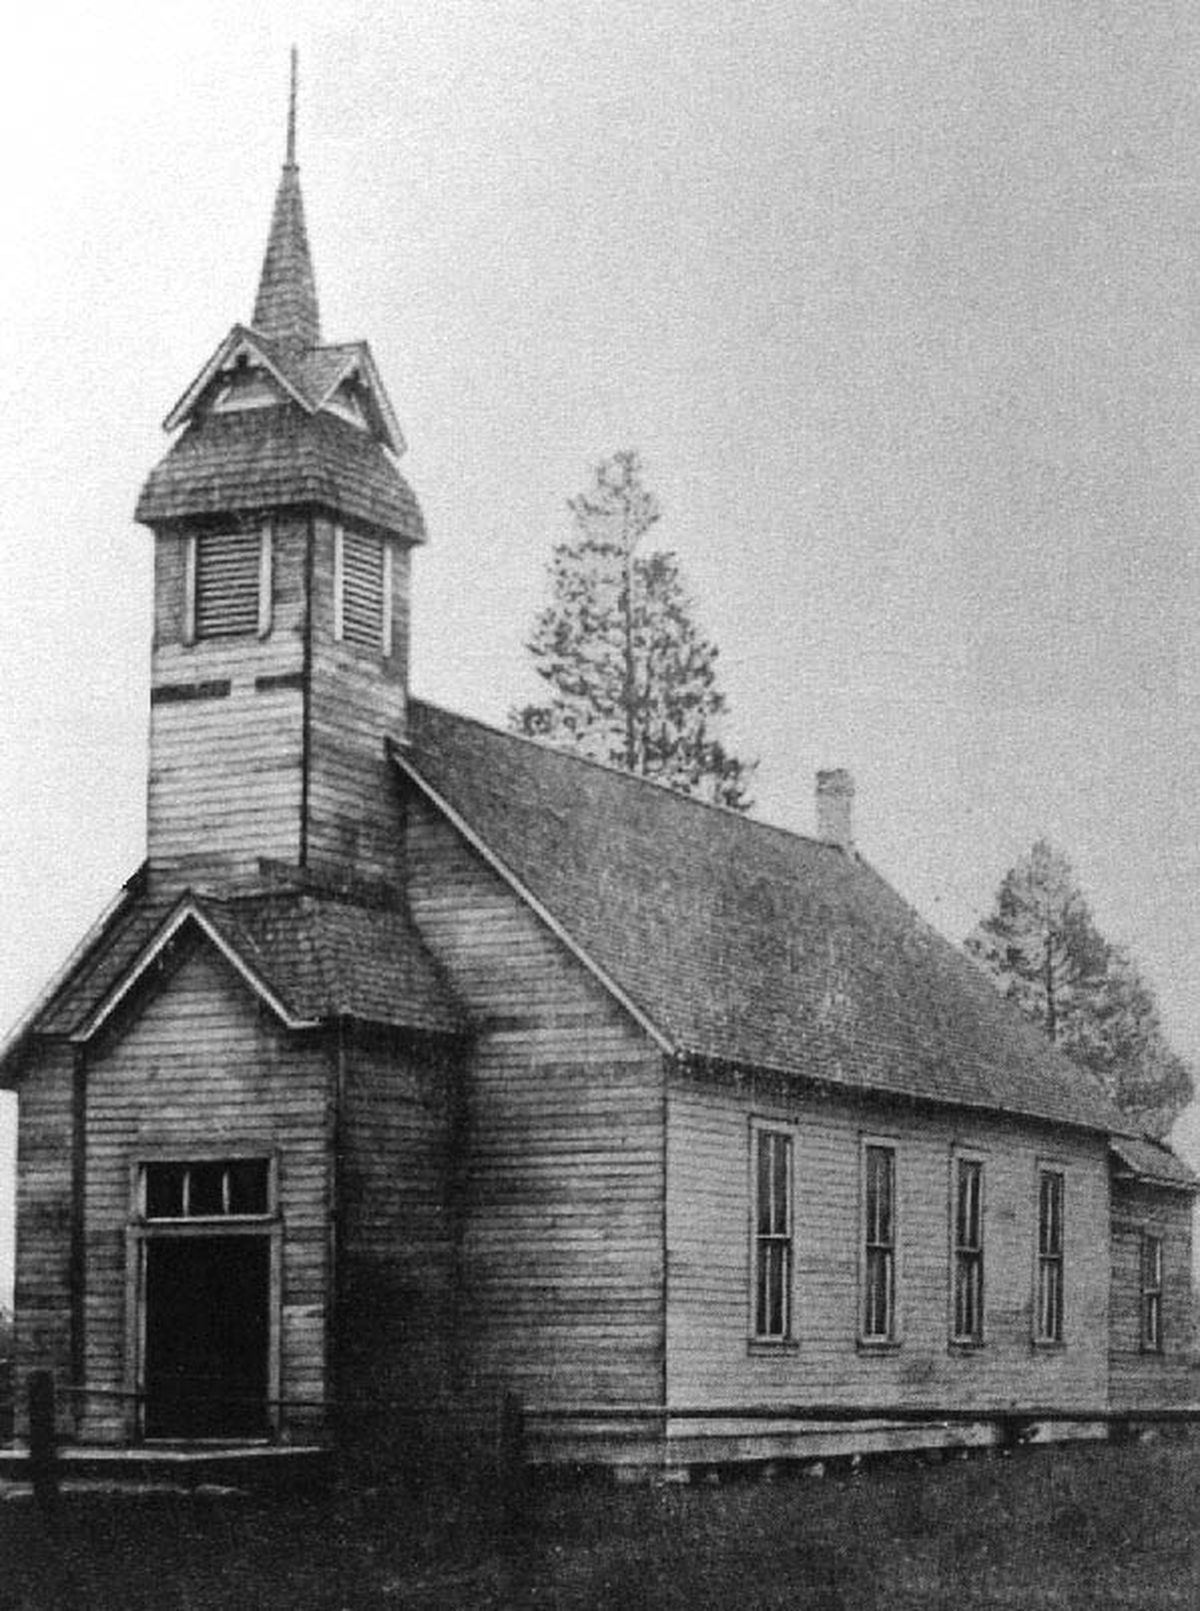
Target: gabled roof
311,956
741,943
190,913
250,345
1143,1159
279,458
323,369
309,376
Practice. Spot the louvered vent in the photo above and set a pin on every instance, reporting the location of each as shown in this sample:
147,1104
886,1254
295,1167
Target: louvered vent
228,568
364,612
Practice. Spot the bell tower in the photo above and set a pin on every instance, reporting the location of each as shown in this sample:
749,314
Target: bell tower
283,531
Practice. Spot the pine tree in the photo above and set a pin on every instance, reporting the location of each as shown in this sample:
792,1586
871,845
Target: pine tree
1041,945
632,678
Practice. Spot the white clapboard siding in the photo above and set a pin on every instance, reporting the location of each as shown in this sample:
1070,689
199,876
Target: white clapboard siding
710,1355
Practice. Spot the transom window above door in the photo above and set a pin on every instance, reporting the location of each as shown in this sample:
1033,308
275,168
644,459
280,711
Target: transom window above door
222,1188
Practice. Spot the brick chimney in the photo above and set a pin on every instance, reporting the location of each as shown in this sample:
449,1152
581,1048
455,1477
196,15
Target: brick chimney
835,808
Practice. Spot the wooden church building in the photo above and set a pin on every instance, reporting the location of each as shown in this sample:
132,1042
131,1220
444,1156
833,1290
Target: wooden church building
420,1062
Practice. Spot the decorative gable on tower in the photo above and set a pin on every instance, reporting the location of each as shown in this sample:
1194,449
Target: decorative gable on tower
276,417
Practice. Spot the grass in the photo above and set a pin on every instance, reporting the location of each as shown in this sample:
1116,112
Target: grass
1087,1526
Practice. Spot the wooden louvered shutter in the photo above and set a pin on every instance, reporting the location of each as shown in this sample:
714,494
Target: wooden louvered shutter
232,583
362,584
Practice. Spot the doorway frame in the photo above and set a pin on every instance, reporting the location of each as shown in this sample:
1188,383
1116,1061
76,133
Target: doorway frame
141,1231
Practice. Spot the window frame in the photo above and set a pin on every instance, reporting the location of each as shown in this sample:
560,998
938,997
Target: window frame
762,1243
208,1221
1049,1295
967,1255
266,583
1150,1293
385,643
890,1337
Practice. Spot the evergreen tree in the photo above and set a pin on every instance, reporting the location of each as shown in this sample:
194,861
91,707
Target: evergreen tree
632,678
1041,945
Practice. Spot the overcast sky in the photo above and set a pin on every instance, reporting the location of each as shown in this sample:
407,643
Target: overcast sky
899,303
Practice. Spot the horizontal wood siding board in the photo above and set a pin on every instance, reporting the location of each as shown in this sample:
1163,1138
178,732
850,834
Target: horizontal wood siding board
561,1241
710,1357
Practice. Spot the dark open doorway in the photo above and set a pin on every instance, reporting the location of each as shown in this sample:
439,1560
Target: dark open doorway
207,1334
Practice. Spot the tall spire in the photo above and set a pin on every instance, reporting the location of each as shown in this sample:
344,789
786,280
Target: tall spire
285,310
291,140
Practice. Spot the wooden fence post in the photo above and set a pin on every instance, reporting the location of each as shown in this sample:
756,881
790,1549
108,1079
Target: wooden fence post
43,1449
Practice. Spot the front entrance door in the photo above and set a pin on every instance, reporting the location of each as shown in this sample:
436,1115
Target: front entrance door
207,1307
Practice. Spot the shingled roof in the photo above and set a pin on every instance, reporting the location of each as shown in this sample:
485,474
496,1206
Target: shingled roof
285,308
742,943
322,956
279,458
331,958
1141,1158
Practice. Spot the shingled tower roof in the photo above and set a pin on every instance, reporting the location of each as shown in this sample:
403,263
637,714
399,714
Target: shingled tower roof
285,310
279,419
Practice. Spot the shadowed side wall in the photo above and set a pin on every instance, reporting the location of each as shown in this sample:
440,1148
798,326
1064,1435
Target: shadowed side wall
43,1250
561,1270
1140,1375
357,699
394,1350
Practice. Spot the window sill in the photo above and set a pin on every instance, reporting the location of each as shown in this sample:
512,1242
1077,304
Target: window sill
966,1345
766,1346
878,1345
1048,1345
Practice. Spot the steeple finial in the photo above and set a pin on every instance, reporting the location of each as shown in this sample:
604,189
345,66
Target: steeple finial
285,309
291,134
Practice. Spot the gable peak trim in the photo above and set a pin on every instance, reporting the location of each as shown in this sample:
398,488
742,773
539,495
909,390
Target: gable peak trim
240,343
189,910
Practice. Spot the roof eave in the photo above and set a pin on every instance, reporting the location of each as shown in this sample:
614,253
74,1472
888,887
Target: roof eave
783,1071
1159,1182
14,1041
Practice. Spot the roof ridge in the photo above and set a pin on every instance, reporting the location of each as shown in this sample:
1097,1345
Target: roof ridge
546,746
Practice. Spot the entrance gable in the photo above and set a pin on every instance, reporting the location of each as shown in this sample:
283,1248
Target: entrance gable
192,1094
163,954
